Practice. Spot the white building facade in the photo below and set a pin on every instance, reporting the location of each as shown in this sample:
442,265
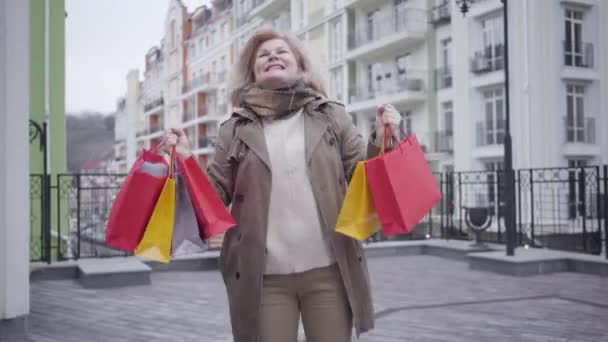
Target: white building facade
442,70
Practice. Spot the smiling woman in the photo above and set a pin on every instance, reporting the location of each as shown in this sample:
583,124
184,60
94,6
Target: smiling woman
266,48
283,161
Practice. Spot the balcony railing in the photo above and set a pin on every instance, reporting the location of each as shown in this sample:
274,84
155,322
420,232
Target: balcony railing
443,77
581,132
441,142
187,115
204,142
412,82
578,55
490,133
221,76
153,104
156,127
488,60
441,14
208,79
410,20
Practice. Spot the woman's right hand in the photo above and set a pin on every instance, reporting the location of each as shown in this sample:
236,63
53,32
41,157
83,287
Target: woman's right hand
178,138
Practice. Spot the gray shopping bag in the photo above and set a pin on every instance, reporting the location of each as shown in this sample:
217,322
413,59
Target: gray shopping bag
186,237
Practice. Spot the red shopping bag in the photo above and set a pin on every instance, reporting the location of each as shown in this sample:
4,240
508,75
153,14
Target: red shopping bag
402,185
212,216
135,201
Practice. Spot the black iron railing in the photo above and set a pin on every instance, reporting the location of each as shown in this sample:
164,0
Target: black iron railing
558,208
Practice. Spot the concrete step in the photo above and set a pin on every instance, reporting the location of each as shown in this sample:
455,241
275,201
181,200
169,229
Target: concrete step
114,272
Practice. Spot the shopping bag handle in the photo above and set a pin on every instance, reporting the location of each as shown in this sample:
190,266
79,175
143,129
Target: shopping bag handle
389,129
171,161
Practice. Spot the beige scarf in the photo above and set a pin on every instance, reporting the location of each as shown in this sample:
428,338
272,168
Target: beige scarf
279,103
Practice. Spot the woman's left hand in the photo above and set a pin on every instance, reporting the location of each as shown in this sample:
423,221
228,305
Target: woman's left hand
387,115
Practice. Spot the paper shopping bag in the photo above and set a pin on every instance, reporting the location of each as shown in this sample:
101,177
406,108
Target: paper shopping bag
402,186
211,214
358,218
135,201
186,236
156,242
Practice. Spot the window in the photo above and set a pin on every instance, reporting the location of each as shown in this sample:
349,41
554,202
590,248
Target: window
224,31
337,83
373,25
494,116
448,117
403,64
374,77
494,178
574,43
214,37
406,123
575,113
575,196
445,73
299,14
493,47
445,53
335,50
400,15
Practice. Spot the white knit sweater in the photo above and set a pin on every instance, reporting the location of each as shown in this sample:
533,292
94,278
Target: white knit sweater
295,240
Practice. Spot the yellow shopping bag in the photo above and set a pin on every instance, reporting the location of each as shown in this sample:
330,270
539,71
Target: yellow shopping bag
156,241
358,218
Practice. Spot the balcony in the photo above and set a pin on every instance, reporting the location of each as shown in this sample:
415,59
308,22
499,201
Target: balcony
441,14
580,137
208,82
205,142
578,55
390,34
488,60
154,128
490,139
221,76
406,90
489,134
187,115
443,77
266,8
440,142
582,132
156,103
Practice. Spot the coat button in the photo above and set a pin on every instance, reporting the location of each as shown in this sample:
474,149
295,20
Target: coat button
238,236
237,275
360,259
332,141
240,198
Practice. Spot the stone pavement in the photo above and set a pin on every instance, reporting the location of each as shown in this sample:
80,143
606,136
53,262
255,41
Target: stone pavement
417,298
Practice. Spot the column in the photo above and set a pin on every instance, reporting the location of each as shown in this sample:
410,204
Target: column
14,168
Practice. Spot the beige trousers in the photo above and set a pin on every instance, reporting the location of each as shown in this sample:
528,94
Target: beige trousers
317,295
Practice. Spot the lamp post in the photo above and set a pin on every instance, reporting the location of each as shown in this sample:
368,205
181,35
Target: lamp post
509,183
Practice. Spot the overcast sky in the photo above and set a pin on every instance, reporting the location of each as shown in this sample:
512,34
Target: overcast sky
104,40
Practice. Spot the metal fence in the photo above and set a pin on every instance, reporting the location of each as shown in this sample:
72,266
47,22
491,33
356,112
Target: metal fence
81,226
557,208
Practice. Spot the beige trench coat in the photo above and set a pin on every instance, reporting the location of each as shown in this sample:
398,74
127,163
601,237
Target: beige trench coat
241,174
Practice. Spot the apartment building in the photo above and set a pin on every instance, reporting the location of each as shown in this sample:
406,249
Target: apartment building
209,50
443,70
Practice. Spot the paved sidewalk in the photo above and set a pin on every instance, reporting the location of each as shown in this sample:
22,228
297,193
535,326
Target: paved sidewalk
417,298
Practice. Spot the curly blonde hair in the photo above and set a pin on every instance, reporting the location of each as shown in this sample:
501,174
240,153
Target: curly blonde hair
243,76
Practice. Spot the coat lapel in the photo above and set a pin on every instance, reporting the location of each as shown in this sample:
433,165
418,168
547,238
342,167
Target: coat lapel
315,126
252,134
